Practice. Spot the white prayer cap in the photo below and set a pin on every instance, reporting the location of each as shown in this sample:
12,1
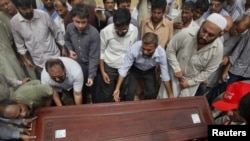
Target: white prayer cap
218,20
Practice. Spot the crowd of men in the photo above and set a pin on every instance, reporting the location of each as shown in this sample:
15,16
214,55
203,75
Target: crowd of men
70,52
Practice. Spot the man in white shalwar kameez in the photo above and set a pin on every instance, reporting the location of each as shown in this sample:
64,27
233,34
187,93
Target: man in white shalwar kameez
193,54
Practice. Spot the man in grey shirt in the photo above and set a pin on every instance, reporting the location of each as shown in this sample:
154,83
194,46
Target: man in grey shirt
36,34
83,42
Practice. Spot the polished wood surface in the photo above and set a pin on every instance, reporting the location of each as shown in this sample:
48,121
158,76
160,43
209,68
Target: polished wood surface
148,120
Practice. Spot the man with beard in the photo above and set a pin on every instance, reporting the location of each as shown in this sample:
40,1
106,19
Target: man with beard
11,62
116,39
157,24
185,19
36,35
216,6
124,4
48,7
141,59
193,54
65,76
162,27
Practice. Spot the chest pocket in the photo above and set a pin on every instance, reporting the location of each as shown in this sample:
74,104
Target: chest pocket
199,61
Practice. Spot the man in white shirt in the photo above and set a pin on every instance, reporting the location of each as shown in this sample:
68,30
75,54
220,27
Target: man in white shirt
195,53
61,8
64,75
116,39
36,34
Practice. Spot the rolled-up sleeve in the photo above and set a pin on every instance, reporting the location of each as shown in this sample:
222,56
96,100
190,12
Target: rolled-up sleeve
128,61
19,42
164,67
171,54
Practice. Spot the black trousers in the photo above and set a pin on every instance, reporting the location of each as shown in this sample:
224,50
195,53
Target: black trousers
148,77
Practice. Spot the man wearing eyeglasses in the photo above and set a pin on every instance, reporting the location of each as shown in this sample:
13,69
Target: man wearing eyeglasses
125,4
116,39
216,6
66,78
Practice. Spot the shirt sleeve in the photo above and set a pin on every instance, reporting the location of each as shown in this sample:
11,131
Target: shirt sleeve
78,82
6,133
56,31
45,90
128,60
94,55
12,121
45,77
19,42
13,82
237,51
68,42
164,66
172,50
110,20
104,43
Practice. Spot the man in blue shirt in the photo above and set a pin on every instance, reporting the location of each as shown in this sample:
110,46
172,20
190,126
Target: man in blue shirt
142,58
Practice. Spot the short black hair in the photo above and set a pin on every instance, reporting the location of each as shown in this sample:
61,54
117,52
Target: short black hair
122,17
244,108
190,5
52,62
118,2
161,4
150,38
80,10
22,3
203,5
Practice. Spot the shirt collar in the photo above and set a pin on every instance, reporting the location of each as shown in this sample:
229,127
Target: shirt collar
163,22
156,53
85,31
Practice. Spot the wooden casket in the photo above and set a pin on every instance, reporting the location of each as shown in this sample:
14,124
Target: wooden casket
174,119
